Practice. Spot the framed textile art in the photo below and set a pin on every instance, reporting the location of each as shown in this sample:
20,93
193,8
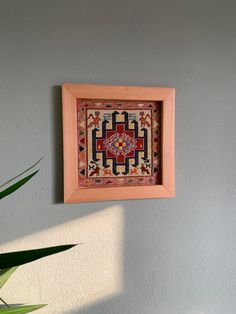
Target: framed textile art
118,142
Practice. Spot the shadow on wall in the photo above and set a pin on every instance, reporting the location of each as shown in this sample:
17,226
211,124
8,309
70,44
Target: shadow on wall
57,140
108,305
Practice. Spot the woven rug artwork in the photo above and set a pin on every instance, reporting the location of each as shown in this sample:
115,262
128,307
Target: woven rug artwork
119,142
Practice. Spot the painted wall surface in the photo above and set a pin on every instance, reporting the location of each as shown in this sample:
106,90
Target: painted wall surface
175,256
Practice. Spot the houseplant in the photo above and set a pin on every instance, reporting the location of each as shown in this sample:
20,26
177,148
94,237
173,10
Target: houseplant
9,262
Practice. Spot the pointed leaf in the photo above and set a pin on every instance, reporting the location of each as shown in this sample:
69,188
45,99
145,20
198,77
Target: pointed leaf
16,185
12,259
21,309
5,274
31,167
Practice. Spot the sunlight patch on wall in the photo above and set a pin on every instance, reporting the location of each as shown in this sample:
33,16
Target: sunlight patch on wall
84,275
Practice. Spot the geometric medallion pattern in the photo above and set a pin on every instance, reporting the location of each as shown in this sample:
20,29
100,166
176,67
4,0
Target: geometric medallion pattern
119,142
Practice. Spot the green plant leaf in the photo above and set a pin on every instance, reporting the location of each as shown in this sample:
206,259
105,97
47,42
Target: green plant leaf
11,259
5,274
21,309
31,167
16,185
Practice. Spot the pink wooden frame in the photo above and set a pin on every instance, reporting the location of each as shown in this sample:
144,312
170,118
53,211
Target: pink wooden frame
72,192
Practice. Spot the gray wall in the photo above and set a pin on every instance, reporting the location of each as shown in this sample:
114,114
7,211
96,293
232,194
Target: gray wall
179,254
